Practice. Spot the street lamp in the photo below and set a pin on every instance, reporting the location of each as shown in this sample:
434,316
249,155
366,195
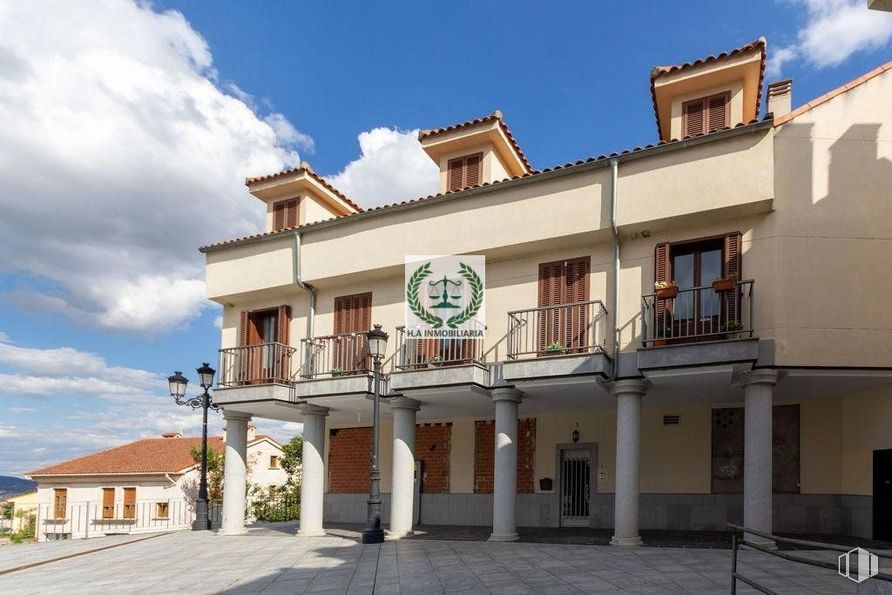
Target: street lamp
178,384
377,343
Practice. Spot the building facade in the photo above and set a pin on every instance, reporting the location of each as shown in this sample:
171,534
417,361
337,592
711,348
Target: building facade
678,336
141,487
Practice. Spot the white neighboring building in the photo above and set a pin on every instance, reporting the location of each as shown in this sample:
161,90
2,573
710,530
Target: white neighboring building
144,486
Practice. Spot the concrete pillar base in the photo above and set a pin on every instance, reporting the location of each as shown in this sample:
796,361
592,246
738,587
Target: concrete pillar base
506,537
310,533
398,534
626,541
232,533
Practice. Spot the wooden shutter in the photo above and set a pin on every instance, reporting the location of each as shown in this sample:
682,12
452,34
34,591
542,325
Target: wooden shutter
291,211
662,273
718,112
731,266
278,216
108,503
456,174
283,324
693,117
472,171
60,503
129,503
243,328
575,284
353,314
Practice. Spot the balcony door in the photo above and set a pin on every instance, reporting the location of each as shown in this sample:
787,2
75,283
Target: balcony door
696,265
352,320
264,338
563,329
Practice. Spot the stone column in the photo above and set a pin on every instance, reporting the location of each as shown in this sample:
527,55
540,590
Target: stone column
235,472
758,390
504,497
312,471
628,445
402,485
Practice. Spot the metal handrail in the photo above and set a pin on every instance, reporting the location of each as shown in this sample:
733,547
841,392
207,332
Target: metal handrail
737,542
343,354
266,363
578,327
422,353
729,314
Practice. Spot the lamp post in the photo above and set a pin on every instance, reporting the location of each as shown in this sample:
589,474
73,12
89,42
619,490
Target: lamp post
373,533
178,384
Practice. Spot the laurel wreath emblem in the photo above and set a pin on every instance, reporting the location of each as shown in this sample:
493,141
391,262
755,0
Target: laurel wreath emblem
415,305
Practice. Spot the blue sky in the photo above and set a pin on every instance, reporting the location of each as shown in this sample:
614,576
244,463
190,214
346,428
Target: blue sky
131,138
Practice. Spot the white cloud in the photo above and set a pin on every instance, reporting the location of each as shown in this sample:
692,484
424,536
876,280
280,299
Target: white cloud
833,31
21,409
121,154
391,167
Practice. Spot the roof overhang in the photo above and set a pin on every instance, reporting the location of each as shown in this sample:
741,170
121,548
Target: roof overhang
746,64
298,181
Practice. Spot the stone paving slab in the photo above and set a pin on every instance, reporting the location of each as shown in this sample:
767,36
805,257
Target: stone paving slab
276,562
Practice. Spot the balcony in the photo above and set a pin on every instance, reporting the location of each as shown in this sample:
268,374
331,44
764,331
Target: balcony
267,363
551,342
699,326
430,363
333,365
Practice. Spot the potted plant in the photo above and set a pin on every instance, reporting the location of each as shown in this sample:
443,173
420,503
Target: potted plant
435,362
666,290
336,372
733,329
660,337
555,348
725,284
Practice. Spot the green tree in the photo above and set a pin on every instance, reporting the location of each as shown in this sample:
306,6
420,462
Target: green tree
292,457
215,474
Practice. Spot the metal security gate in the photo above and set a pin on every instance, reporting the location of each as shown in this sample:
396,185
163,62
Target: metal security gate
575,487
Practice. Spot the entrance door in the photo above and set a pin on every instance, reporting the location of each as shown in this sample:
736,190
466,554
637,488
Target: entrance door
416,501
575,487
261,334
882,494
696,265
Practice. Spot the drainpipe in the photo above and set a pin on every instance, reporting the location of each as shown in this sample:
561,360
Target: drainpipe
614,174
311,309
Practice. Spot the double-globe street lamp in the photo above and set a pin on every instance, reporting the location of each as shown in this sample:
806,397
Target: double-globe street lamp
178,384
373,533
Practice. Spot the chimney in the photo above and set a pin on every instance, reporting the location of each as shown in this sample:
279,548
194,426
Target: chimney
252,432
171,435
780,97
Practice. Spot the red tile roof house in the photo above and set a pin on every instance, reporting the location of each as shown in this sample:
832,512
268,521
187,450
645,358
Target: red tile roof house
145,486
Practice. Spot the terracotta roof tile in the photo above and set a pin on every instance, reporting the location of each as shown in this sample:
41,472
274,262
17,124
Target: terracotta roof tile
834,93
659,71
432,197
150,455
305,167
495,116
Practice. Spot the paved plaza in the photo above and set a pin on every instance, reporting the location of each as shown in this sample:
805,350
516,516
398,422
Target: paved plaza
275,561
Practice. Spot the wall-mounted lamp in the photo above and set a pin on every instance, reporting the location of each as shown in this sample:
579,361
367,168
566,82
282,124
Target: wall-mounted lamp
575,434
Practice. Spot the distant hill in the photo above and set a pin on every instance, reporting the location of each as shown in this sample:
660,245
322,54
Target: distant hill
15,485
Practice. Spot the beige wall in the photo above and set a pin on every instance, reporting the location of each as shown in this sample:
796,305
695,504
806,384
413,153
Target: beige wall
866,425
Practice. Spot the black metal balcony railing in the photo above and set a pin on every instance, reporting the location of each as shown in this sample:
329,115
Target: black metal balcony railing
268,363
413,354
698,314
334,355
567,329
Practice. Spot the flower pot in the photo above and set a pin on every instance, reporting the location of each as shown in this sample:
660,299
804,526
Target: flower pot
659,342
724,285
667,293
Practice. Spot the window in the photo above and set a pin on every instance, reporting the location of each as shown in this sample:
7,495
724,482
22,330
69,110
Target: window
273,462
706,114
352,314
129,503
266,332
60,502
564,282
162,510
285,214
464,172
108,503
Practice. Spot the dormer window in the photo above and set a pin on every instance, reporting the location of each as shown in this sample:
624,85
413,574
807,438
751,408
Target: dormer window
706,114
464,172
285,214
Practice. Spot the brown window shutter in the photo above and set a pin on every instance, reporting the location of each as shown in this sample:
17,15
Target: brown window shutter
456,174
732,266
108,503
693,118
662,273
279,216
283,323
291,211
718,112
353,313
129,503
472,169
243,328
576,290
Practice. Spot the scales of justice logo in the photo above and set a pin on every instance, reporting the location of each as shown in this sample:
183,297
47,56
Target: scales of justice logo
444,296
